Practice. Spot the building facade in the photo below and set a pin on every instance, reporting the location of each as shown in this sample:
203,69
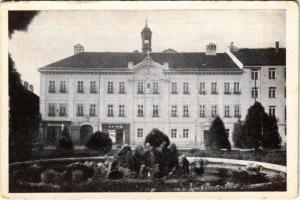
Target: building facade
128,94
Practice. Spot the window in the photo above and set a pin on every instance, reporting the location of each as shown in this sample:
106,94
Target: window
202,88
93,110
62,88
213,110
155,111
272,92
272,110
174,87
173,133
80,87
51,110
110,88
226,88
254,74
202,110
186,88
174,111
226,111
79,110
140,87
51,87
110,110
254,92
121,110
185,133
236,88
214,88
93,87
155,87
139,132
121,88
237,112
185,111
272,73
140,111
62,110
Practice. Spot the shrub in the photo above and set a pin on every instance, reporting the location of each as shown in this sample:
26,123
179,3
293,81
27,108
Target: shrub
65,142
155,138
218,138
99,141
237,135
270,137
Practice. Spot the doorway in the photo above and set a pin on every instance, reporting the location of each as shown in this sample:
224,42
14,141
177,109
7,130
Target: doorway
85,132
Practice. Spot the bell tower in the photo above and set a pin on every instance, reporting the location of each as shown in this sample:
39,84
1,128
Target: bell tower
146,39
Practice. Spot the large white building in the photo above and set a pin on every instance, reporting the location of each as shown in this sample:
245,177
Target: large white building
128,94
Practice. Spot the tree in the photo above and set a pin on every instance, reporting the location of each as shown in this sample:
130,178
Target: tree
253,126
65,141
155,138
271,138
237,135
99,141
218,138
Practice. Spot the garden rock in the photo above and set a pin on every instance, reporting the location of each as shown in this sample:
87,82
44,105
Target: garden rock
49,176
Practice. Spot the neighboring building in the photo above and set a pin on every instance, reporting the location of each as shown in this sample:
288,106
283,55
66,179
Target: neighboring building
264,80
128,94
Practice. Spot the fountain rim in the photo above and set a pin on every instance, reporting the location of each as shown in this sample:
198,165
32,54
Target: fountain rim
265,165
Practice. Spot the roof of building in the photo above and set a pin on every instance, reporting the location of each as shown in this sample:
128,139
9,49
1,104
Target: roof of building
256,57
113,60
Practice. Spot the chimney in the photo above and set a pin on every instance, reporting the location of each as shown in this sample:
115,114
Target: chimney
130,65
166,65
26,85
31,88
211,49
276,46
78,48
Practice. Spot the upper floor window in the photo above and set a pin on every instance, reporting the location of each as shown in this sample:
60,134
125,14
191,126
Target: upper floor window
79,110
236,88
110,110
254,92
140,110
51,110
174,111
185,111
186,88
121,110
121,88
173,133
174,88
272,73
93,87
237,111
155,88
213,110
80,87
254,74
214,88
51,87
155,111
62,110
202,110
93,110
272,92
140,87
272,110
139,132
62,88
110,87
202,88
226,111
227,88
185,133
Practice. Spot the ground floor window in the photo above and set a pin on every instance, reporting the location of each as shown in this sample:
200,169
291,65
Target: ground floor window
52,134
173,133
185,133
139,132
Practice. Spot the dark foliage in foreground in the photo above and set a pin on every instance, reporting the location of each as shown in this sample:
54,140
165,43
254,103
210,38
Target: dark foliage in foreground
19,20
237,134
271,138
65,141
99,141
155,138
218,138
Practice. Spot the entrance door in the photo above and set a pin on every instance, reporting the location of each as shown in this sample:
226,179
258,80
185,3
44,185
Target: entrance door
119,137
206,132
85,132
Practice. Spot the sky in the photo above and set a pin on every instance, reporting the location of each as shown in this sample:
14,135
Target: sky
52,34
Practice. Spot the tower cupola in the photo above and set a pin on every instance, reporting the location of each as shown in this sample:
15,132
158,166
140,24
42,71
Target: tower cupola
146,39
